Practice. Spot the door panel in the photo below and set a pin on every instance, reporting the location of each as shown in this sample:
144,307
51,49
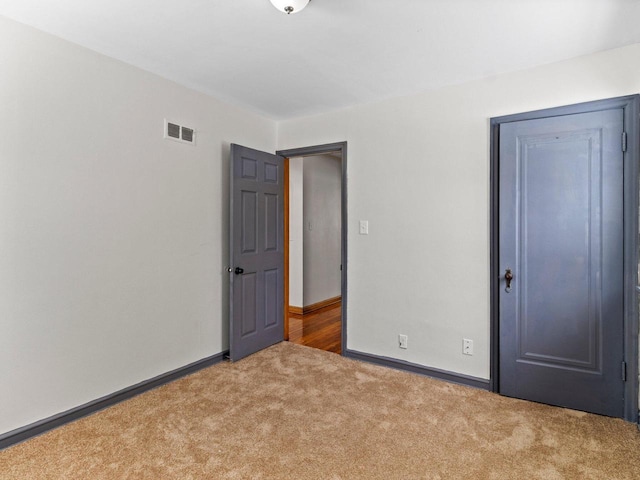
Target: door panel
271,222
561,233
271,310
249,222
248,307
257,251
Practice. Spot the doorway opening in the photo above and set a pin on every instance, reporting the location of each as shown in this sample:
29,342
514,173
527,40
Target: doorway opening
315,246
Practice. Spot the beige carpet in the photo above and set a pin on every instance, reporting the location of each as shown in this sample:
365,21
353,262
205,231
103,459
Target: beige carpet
292,412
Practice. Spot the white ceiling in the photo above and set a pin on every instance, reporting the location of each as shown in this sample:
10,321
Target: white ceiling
335,53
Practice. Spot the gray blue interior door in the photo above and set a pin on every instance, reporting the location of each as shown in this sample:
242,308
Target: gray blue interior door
257,251
561,260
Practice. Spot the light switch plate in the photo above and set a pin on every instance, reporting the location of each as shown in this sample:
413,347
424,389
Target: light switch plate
364,227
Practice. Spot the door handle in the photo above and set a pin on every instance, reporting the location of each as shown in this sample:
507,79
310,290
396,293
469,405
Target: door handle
508,276
239,271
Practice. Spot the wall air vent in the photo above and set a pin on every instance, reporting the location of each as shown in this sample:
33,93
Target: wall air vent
173,130
187,134
179,133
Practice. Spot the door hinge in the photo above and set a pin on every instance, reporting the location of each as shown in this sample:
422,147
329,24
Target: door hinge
624,371
624,141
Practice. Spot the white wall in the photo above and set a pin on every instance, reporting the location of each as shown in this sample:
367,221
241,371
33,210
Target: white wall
113,241
418,170
296,238
322,203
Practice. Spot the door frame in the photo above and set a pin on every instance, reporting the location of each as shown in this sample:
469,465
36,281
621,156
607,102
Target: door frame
318,150
631,109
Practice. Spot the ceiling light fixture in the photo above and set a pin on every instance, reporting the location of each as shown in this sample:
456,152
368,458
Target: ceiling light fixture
290,6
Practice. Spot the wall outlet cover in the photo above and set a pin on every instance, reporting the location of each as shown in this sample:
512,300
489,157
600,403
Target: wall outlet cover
467,346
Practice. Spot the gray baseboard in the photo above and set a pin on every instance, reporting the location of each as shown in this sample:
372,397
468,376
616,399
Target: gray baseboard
452,377
37,428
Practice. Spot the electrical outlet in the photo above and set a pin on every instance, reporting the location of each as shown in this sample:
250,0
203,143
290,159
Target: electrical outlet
402,341
467,346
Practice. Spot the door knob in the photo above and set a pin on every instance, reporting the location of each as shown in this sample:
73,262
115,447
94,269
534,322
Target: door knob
239,271
508,276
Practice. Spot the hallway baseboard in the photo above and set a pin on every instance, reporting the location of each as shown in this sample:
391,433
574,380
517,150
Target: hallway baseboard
329,302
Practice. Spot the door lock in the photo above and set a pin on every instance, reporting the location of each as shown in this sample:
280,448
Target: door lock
508,276
239,271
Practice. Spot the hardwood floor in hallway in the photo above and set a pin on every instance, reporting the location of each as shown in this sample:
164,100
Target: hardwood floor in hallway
320,329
